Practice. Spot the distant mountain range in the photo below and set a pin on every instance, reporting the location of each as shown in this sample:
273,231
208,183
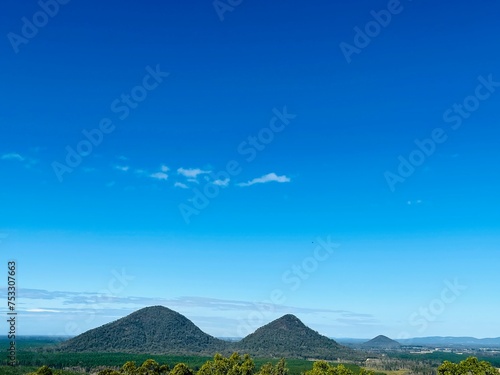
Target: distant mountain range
439,341
432,342
159,330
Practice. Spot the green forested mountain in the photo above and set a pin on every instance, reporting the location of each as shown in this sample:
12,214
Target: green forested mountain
159,330
152,330
289,337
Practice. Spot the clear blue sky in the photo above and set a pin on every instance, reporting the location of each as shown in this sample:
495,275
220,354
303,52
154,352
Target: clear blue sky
313,142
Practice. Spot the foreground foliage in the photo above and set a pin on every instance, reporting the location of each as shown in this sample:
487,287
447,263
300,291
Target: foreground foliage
245,365
469,366
424,364
219,365
91,363
46,370
325,368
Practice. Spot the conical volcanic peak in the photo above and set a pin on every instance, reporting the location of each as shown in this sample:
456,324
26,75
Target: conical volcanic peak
159,330
381,342
155,329
287,322
289,337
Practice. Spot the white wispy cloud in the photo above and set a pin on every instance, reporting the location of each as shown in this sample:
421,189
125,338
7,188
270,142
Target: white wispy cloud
123,168
417,202
26,161
81,300
191,172
221,317
42,310
223,183
13,156
181,185
159,176
270,177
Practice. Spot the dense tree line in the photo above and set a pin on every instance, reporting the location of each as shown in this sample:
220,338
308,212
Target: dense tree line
219,365
325,368
428,364
244,365
412,366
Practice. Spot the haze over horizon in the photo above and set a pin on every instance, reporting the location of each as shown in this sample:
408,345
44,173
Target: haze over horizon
243,165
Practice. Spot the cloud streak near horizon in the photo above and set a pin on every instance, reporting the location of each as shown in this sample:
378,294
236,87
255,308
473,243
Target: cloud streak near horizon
270,177
218,316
